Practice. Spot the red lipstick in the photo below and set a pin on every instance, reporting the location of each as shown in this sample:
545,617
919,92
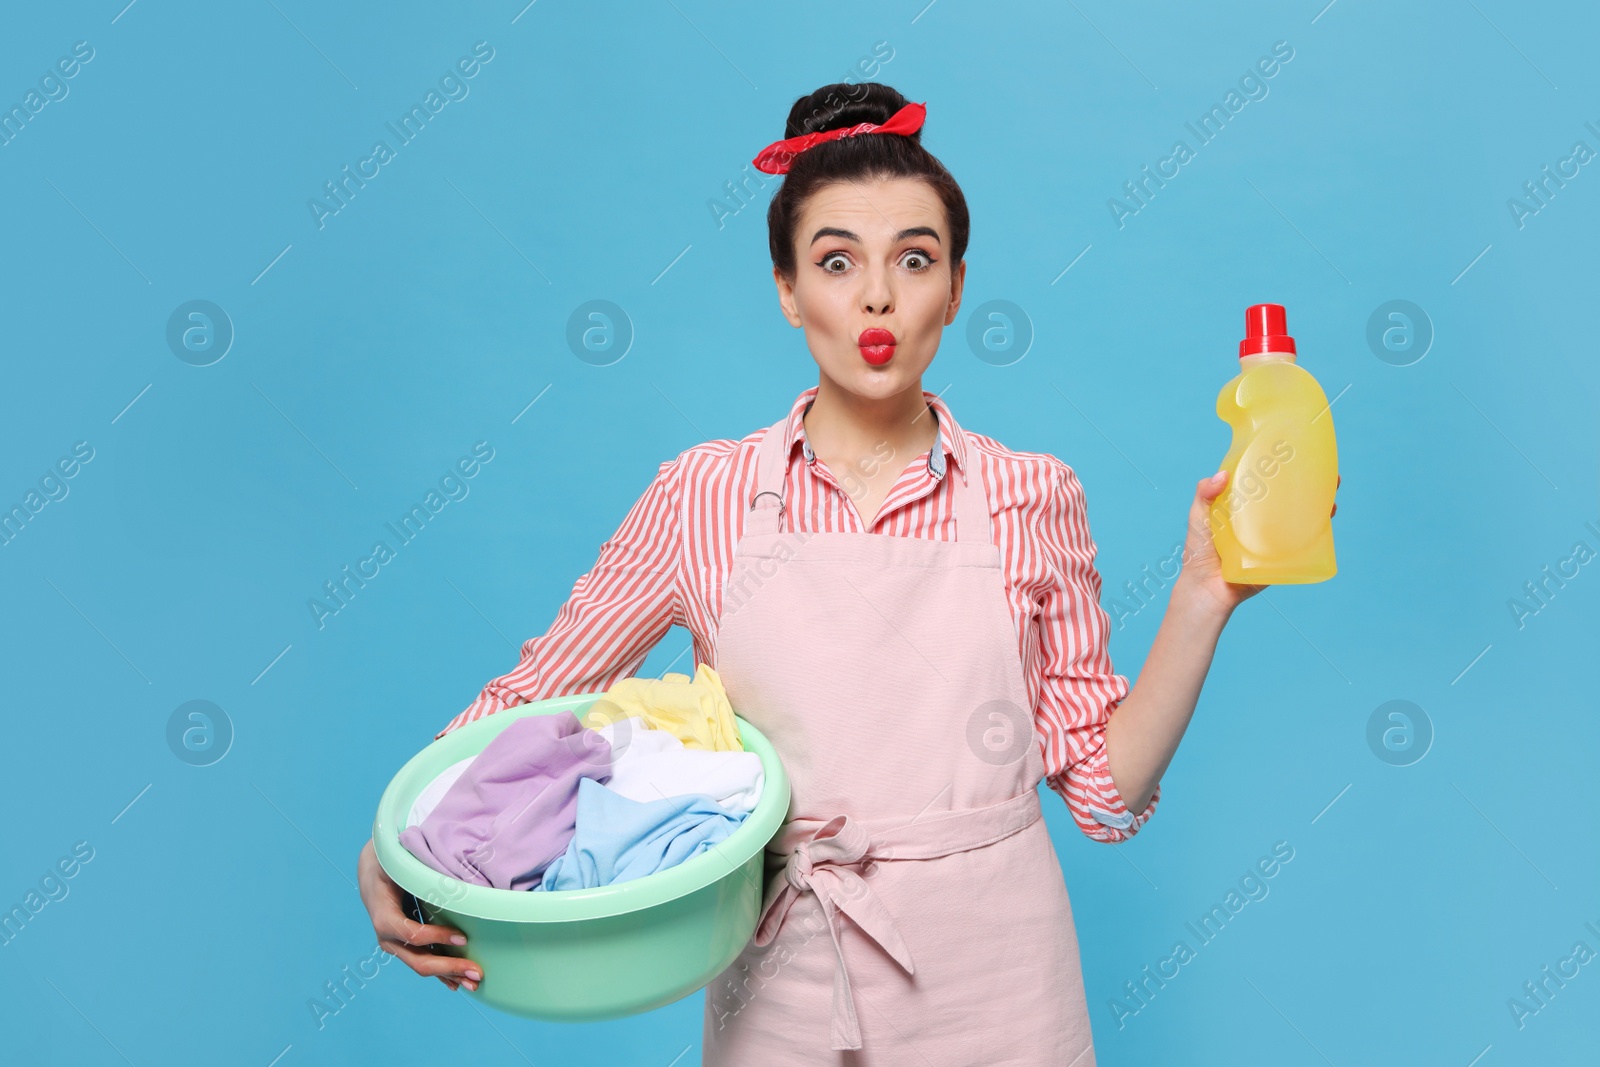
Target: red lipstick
877,346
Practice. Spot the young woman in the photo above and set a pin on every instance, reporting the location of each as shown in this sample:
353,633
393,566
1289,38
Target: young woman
910,611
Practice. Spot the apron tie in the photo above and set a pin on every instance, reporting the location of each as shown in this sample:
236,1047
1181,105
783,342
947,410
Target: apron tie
826,864
824,859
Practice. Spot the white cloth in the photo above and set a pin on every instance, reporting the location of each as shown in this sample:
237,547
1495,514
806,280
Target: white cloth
650,764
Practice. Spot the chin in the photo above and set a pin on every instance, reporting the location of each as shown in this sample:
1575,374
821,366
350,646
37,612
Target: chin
862,377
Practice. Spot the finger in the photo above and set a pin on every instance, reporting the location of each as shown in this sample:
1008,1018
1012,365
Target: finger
1208,488
452,984
415,933
431,966
1333,512
390,922
391,919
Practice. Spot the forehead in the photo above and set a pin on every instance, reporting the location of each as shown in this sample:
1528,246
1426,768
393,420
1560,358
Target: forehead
880,208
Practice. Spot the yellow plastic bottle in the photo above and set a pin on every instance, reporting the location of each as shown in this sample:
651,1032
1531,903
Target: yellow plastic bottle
1271,523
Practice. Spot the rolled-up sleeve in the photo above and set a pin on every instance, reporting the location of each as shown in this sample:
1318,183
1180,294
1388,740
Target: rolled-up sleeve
614,615
1079,690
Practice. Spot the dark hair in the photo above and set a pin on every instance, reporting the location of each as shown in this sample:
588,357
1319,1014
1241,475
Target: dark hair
863,157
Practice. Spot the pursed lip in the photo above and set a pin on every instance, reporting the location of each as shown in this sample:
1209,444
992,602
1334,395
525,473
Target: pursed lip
875,337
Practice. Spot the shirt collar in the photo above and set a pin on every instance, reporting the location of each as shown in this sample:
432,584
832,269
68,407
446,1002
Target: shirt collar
951,441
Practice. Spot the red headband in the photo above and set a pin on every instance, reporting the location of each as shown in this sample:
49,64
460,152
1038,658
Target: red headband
776,157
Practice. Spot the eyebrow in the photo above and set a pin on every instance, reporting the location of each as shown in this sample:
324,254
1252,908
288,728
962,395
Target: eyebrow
834,231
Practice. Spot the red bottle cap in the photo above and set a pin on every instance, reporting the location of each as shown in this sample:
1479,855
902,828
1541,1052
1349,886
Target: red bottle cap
1266,330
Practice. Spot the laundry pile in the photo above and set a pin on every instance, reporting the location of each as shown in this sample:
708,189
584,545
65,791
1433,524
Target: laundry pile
653,774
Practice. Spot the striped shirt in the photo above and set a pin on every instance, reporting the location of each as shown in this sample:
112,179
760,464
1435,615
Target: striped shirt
667,563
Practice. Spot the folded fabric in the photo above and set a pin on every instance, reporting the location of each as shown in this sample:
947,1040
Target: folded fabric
697,711
514,807
652,764
618,839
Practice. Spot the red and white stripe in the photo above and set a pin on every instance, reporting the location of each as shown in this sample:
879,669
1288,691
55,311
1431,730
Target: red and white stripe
668,561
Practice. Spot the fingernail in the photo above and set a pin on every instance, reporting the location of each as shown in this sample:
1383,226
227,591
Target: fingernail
1217,477
457,939
471,985
475,976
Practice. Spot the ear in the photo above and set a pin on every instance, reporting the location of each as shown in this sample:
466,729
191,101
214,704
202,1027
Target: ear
786,298
957,281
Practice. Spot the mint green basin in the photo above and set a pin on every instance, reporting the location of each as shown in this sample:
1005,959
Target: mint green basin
588,954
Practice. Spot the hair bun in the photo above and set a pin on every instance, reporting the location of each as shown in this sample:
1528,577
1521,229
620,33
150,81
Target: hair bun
842,105
854,159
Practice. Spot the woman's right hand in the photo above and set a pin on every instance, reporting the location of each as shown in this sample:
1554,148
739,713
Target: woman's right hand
402,936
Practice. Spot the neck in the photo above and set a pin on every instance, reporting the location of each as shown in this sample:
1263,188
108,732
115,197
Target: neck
846,425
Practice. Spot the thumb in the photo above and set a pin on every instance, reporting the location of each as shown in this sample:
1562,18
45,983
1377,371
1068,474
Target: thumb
1209,488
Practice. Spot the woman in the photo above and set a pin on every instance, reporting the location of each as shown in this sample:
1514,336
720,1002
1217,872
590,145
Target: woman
909,611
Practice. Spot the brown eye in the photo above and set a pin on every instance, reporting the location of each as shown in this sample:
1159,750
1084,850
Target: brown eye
835,263
916,260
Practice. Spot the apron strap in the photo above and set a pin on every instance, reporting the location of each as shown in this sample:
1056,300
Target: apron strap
768,503
973,523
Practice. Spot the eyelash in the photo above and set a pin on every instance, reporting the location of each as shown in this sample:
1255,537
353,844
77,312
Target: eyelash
908,252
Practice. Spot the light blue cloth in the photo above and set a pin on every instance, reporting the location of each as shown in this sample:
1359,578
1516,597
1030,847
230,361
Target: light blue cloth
618,839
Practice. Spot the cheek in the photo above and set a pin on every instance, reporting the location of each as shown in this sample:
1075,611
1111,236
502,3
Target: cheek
938,292
824,309
925,303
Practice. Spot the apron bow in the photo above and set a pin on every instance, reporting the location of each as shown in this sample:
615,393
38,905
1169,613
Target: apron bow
828,858
827,864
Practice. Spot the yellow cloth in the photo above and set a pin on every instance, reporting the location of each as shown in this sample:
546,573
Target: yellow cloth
696,712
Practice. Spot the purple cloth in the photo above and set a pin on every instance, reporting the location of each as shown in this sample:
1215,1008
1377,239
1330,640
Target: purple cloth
514,808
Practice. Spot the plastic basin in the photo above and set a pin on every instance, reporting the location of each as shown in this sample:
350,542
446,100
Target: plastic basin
589,954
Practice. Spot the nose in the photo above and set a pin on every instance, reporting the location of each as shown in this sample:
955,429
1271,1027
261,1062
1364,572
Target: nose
877,298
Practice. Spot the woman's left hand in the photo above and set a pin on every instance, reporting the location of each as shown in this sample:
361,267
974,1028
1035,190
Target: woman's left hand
1202,570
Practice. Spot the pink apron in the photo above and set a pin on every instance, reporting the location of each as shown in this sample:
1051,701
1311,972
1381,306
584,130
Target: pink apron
919,916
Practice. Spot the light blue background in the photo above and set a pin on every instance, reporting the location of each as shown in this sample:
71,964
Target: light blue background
432,310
